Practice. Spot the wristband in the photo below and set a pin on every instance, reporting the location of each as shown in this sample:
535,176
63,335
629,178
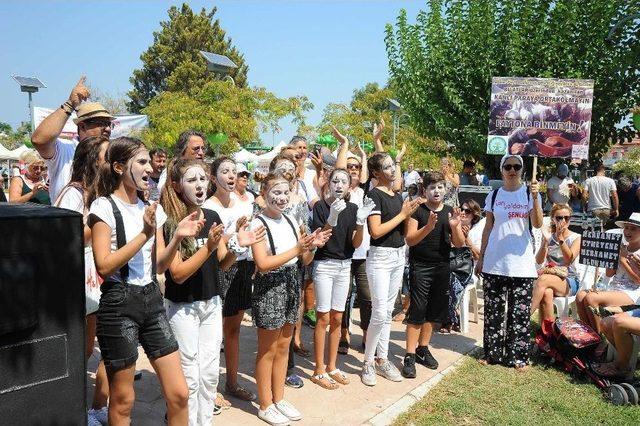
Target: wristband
234,246
67,107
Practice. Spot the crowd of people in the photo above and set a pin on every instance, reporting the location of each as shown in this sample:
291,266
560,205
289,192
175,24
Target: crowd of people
304,245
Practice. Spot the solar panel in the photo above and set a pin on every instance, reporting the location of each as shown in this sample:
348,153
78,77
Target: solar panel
28,81
219,60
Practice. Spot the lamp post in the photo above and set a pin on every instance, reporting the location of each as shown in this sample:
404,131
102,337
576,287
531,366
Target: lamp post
29,85
396,110
220,65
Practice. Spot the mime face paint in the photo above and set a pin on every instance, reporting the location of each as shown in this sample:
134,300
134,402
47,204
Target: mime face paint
389,169
194,185
286,166
226,176
435,192
339,184
138,170
277,196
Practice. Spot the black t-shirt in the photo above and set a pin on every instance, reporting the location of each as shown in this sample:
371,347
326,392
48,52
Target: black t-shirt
204,283
388,207
436,246
340,245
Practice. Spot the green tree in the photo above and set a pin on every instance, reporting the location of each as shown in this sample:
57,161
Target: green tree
12,139
630,164
220,107
369,105
442,65
174,63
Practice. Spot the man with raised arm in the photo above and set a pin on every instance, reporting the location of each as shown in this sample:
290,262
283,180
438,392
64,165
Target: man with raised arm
92,120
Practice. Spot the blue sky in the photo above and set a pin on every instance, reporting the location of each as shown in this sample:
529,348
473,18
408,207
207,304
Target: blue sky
321,49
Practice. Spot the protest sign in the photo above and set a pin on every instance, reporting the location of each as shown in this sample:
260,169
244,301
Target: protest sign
123,125
545,117
601,249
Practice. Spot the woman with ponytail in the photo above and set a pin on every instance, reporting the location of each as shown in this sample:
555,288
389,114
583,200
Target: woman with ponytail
192,288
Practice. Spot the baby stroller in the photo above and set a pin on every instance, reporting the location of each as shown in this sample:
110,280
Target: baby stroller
570,343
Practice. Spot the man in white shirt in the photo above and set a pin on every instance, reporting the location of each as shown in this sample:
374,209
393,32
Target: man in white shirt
599,191
308,183
553,185
92,120
411,177
190,146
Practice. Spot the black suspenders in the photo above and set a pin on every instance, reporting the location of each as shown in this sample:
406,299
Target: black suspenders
270,237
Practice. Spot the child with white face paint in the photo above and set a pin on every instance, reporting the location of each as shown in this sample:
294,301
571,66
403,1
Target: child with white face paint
123,232
192,289
332,271
276,295
429,234
385,265
236,281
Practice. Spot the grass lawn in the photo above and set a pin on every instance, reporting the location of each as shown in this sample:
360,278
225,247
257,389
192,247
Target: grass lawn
494,395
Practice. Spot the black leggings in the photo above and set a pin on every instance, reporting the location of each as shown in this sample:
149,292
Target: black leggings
359,275
507,345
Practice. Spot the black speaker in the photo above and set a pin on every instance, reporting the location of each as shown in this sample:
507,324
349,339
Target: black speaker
42,309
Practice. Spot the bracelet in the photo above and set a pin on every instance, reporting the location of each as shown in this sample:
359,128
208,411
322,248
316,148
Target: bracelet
67,107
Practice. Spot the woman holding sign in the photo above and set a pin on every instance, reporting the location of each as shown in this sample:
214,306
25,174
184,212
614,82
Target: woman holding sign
508,266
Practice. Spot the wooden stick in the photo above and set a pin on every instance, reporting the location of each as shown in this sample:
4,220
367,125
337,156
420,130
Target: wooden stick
535,170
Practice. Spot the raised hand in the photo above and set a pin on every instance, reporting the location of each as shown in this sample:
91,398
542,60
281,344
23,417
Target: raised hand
465,230
377,129
241,222
534,188
454,218
342,139
401,153
363,212
214,235
149,220
433,220
247,237
334,211
546,233
316,160
190,226
320,237
79,93
409,207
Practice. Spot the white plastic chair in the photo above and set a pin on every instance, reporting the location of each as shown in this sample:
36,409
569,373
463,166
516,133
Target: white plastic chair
586,276
470,295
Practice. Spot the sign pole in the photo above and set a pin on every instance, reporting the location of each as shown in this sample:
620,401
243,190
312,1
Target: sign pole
534,173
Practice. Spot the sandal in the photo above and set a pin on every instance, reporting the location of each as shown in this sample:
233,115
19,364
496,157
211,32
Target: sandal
301,350
240,393
217,409
324,381
221,402
343,347
339,376
609,370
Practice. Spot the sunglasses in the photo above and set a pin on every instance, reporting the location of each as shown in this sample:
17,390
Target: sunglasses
43,168
467,211
509,167
565,218
353,166
100,123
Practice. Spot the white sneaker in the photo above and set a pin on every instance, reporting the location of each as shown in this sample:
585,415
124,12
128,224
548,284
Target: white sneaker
101,415
368,375
288,410
389,371
273,416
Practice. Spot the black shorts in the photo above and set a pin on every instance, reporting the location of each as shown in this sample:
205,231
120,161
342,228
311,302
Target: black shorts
238,296
429,292
128,315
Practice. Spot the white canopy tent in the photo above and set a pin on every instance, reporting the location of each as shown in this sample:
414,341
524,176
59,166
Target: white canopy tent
244,156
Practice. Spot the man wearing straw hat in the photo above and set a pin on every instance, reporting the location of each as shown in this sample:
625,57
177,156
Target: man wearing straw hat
92,120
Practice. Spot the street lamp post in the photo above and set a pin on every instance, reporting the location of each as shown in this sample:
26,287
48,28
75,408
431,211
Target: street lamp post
220,65
395,108
29,85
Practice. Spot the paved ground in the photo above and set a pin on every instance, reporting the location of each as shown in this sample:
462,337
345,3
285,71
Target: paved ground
351,404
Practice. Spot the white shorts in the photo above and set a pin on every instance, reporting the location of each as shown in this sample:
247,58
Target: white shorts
331,279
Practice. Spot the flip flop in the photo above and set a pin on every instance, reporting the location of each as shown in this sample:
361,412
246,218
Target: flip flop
302,351
339,376
324,381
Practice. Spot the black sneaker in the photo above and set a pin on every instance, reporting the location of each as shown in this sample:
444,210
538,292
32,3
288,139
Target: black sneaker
424,357
409,366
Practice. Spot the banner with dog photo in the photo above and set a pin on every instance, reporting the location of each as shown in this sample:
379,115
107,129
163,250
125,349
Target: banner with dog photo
544,117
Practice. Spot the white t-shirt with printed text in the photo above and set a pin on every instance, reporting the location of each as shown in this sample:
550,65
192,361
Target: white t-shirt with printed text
509,251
